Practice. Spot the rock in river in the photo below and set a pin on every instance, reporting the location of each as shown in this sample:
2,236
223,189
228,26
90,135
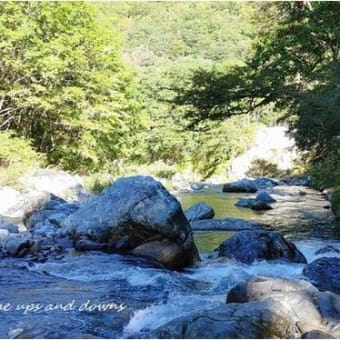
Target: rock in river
324,273
249,246
263,196
253,204
132,212
199,211
298,301
249,185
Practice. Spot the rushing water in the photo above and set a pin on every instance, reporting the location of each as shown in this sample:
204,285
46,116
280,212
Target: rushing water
105,295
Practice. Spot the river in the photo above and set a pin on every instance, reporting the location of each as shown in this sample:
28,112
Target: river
112,296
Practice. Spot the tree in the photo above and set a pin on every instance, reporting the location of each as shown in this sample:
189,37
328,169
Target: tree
295,66
62,84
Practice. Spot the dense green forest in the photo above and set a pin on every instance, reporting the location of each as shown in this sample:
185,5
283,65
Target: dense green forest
101,86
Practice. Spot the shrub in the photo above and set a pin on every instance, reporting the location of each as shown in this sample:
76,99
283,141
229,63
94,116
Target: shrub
16,157
336,202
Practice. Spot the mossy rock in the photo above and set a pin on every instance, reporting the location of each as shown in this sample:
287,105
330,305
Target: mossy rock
336,202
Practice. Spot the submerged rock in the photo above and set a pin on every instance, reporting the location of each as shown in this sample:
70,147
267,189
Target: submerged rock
249,246
199,211
131,212
245,202
324,273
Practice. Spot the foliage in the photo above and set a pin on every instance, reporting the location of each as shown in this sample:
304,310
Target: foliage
63,84
335,202
325,173
16,157
165,43
165,31
295,66
95,183
214,145
262,167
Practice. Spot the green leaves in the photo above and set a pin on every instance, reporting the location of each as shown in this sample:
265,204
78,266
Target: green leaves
64,84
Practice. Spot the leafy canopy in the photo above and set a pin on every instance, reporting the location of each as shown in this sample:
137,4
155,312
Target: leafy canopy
64,86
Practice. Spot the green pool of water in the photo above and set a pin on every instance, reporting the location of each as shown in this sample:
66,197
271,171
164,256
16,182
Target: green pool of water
208,241
223,203
224,206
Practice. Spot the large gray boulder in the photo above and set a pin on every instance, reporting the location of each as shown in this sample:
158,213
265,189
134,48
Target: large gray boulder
132,212
324,273
258,288
199,211
254,320
262,308
249,246
300,302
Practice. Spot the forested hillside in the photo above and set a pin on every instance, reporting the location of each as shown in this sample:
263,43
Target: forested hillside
102,86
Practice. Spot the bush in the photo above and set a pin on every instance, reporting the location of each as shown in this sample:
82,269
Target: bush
262,167
336,202
325,173
16,157
95,183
